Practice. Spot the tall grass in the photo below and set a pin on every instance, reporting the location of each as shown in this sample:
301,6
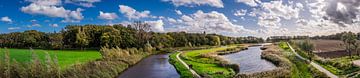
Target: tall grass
33,69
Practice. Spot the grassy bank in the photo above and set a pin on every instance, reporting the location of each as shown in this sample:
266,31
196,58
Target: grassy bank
65,58
300,68
207,65
181,69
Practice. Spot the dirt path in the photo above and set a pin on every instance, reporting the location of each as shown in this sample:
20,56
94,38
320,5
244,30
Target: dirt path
328,73
187,66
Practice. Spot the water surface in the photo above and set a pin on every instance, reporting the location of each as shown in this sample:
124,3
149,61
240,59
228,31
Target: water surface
154,66
250,60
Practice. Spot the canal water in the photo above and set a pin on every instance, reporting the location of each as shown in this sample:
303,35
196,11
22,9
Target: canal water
250,60
154,66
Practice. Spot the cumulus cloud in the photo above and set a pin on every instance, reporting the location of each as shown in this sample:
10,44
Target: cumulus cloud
50,8
6,19
341,11
107,16
84,3
269,21
212,22
279,9
241,12
131,13
156,26
192,3
249,2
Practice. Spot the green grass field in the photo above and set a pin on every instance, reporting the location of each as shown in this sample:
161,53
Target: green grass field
206,65
66,58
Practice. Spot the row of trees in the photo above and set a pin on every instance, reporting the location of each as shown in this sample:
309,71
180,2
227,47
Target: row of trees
96,36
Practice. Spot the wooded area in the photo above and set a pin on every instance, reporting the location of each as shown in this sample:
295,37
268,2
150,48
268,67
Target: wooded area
96,36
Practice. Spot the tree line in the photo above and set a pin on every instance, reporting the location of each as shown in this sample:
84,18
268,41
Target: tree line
135,35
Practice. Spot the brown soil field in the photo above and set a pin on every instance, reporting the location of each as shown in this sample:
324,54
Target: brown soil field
327,45
329,48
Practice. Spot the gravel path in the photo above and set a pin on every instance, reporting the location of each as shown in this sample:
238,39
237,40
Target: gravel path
187,66
328,73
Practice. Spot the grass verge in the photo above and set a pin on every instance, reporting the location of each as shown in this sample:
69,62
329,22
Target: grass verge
182,70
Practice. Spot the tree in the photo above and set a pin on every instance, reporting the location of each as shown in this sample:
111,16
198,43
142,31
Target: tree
142,34
349,40
81,38
215,40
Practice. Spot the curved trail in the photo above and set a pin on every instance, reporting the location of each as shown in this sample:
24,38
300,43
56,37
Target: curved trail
328,73
187,66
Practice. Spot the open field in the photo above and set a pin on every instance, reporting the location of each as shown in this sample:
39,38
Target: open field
65,58
329,48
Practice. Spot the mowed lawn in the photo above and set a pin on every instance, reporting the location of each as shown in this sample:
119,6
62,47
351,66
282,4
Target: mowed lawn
65,58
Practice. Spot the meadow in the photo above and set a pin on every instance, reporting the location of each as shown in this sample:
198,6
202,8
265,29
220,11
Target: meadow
65,58
206,66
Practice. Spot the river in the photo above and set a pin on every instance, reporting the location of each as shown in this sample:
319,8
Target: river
154,66
250,60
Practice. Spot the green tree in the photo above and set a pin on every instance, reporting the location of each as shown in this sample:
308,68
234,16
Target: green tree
215,41
81,38
349,40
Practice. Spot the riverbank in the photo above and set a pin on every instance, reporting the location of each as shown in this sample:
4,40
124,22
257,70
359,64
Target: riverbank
272,54
206,63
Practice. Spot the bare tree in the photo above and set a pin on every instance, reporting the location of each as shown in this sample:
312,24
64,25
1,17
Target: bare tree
143,32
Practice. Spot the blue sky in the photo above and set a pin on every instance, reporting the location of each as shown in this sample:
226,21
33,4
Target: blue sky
228,17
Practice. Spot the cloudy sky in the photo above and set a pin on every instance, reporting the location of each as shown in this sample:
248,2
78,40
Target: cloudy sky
261,18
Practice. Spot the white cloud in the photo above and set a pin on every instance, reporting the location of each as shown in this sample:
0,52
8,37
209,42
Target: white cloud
171,20
241,12
156,26
269,21
192,3
279,9
53,25
6,19
84,3
45,2
249,2
212,22
131,13
178,12
14,28
51,9
107,16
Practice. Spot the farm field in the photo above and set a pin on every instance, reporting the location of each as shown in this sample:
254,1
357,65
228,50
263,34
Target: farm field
329,48
66,58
